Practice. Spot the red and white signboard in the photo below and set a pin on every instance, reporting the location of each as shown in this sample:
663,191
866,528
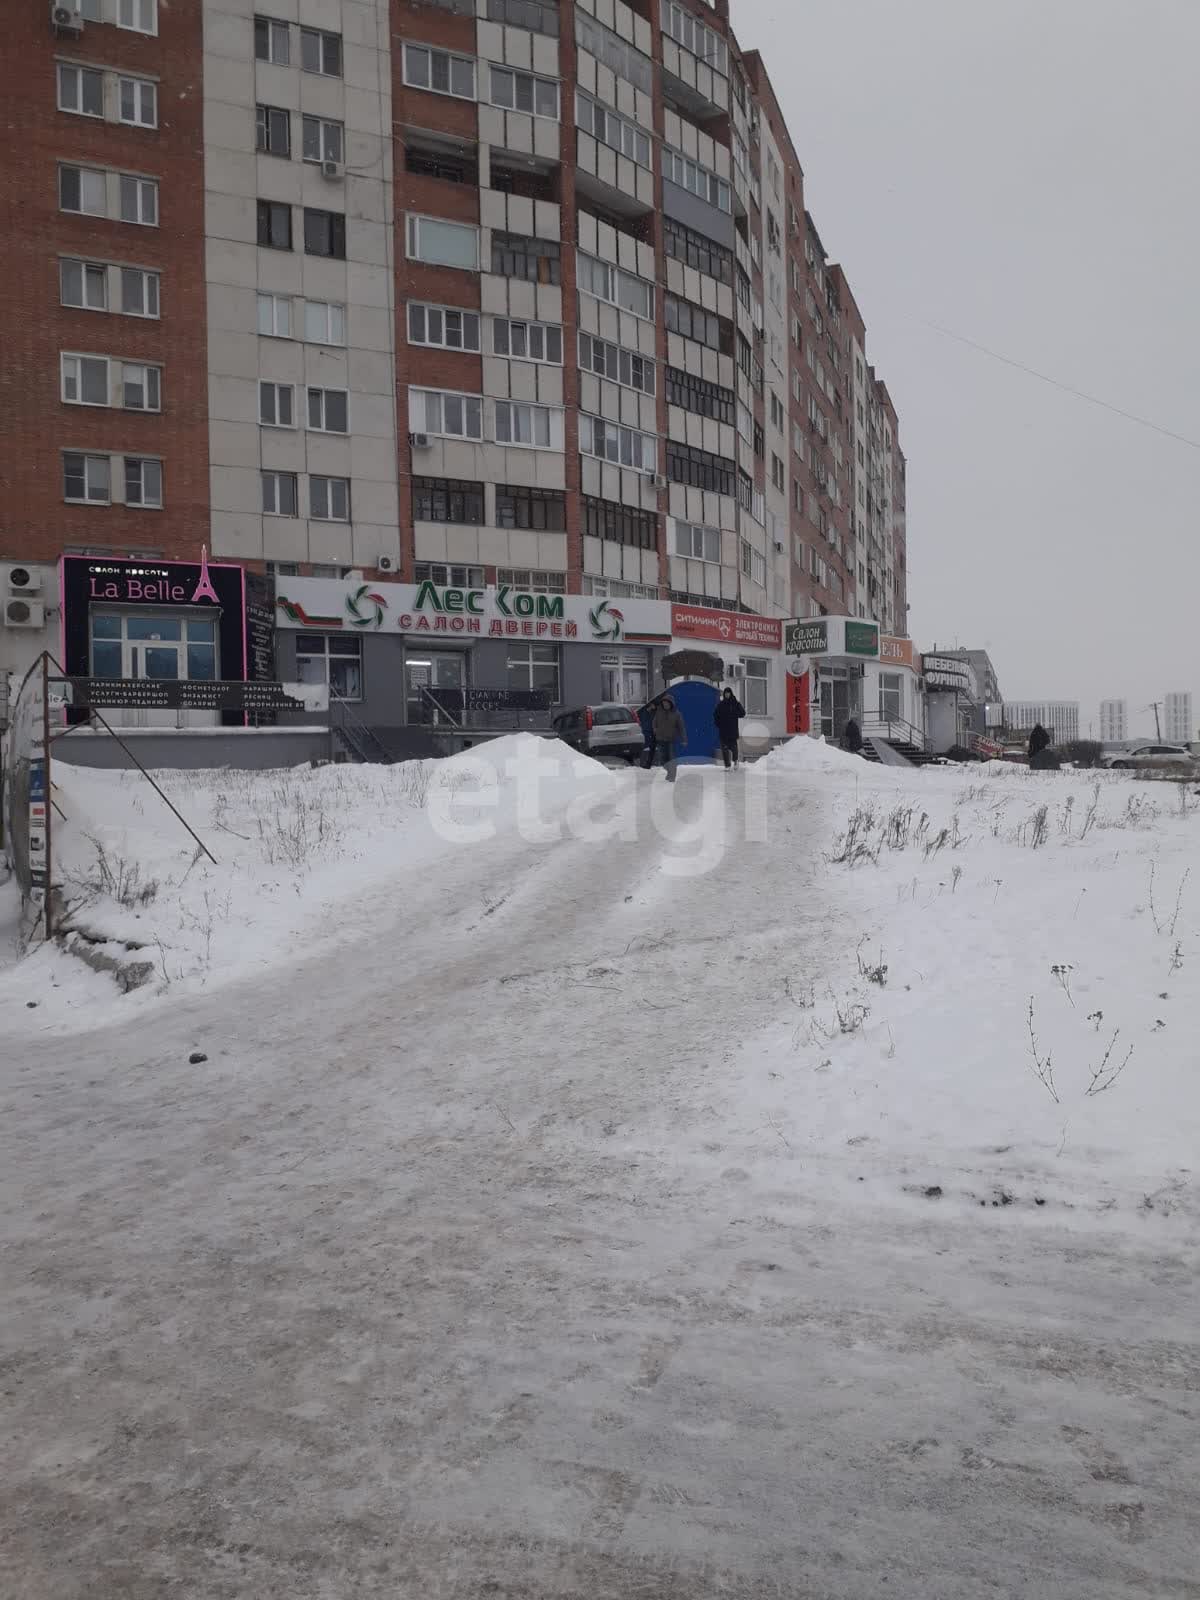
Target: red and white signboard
726,627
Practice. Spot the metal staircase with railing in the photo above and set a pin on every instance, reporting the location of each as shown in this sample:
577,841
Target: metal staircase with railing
352,739
900,737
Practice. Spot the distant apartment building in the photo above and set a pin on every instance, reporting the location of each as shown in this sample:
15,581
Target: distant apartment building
1177,717
1059,717
1114,721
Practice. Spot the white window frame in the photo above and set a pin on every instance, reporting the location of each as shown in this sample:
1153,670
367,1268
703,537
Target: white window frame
334,313
692,35
696,542
611,436
535,80
754,564
412,241
624,364
420,410
145,186
441,319
85,267
318,395
71,73
89,10
83,173
273,478
277,28
273,302
331,139
756,677
534,333
451,57
517,423
696,179
323,35
71,377
142,503
151,287
270,412
632,141
89,458
138,16
329,493
144,92
151,383
586,266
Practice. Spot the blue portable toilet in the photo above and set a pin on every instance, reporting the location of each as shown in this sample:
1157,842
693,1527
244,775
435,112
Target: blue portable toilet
695,692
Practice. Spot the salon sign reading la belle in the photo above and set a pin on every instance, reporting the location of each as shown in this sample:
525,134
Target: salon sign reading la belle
499,612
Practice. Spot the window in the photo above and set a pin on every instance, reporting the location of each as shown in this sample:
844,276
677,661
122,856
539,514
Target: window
453,416
443,327
760,441
81,90
276,405
439,71
624,446
624,289
698,544
139,16
83,283
331,658
532,582
282,569
527,341
755,683
274,225
694,250
534,666
890,696
138,102
686,464
443,244
272,41
438,572
620,524
614,52
324,322
539,16
279,494
321,52
688,31
273,130
139,292
85,478
329,499
322,140
85,380
328,410
324,234
778,473
140,386
143,482
697,180
521,91
610,129
617,364
275,315
543,510
82,189
754,566
692,322
699,396
139,200
535,260
447,500
777,412
527,425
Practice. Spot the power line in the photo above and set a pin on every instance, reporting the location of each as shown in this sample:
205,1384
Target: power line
1066,388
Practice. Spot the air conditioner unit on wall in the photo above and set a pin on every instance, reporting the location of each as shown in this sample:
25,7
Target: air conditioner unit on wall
65,18
386,563
22,580
660,480
333,170
24,613
419,441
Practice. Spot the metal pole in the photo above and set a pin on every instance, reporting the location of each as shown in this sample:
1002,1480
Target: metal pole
48,891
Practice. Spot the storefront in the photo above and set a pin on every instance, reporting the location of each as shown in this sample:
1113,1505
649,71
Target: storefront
828,661
892,693
165,622
951,696
403,654
750,649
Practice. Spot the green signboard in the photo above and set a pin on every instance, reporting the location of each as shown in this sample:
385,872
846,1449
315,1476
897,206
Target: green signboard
806,638
862,639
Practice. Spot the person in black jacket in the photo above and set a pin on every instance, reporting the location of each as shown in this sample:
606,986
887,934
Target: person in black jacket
852,737
1039,740
729,712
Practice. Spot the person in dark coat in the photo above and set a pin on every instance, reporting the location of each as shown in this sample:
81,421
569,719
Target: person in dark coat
852,737
728,713
669,732
1039,741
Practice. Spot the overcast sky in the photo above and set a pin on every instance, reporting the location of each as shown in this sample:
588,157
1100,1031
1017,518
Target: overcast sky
1024,174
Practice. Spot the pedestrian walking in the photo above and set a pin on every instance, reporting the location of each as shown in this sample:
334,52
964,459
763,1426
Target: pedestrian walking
670,734
852,738
1039,744
728,713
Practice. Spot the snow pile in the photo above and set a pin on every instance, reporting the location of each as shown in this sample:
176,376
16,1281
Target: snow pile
805,754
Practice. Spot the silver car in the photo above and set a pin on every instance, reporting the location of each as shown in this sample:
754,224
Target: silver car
602,730
1149,755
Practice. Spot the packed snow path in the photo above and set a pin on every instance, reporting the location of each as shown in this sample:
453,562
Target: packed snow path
475,1261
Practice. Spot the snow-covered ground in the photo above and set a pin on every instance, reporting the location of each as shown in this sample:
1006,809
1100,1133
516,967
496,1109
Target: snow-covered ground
780,1184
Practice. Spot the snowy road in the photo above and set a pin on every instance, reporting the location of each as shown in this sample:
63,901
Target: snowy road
453,1272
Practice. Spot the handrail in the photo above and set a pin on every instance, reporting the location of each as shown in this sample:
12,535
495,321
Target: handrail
911,734
358,731
428,694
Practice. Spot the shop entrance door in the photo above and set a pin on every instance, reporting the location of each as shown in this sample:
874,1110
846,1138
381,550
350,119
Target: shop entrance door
841,698
424,675
625,678
164,648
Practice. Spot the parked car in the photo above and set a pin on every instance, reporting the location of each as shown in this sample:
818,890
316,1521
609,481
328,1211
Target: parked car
1149,755
604,730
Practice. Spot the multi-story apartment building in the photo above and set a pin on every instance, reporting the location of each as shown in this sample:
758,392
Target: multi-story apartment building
1059,717
1114,721
1178,726
479,292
